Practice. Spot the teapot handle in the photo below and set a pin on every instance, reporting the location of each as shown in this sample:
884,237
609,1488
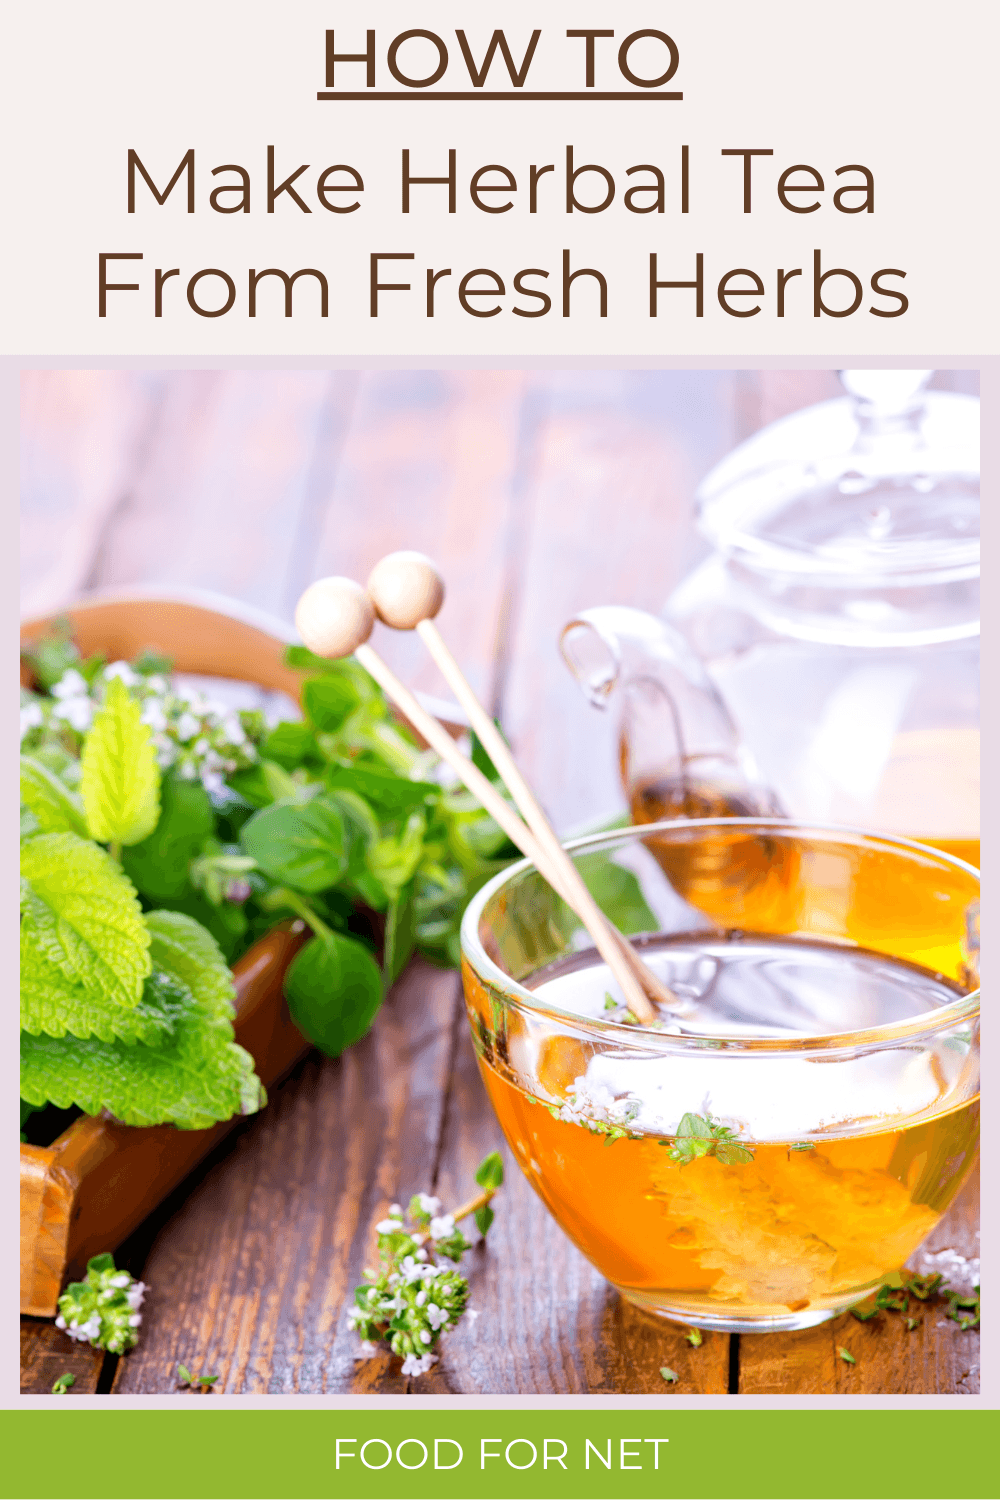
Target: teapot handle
676,733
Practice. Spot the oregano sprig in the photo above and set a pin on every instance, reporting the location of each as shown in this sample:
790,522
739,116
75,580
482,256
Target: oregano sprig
700,1135
412,1300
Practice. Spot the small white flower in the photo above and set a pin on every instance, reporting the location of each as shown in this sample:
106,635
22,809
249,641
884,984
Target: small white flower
418,1364
135,1320
387,1226
373,1294
76,711
420,1299
187,726
31,717
121,1280
70,685
60,1321
156,683
135,1295
395,1212
153,715
418,1239
124,671
421,1254
443,1227
471,1313
425,1337
436,1316
188,771
106,1295
367,1349
428,1205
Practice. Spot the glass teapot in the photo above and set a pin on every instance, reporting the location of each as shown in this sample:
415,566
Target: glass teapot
823,661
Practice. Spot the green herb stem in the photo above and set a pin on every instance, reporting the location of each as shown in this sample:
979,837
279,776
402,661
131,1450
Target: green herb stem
305,911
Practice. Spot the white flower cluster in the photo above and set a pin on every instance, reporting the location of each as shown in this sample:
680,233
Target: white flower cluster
201,738
84,1333
595,1104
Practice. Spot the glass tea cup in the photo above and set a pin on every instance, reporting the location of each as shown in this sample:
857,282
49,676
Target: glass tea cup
790,1132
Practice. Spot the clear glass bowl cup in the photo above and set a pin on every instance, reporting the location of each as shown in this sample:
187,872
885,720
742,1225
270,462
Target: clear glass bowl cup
766,1157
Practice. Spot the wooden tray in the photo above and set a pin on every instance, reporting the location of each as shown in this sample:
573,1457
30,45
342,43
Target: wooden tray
88,1190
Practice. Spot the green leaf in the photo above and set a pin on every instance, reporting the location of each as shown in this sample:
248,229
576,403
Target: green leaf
480,756
53,805
184,948
184,1375
194,1078
617,892
81,913
389,796
329,700
670,1376
301,845
120,783
694,1338
54,1005
732,1154
158,865
63,1384
400,936
489,1173
289,744
695,1125
334,989
846,1356
484,1218
98,1264
394,861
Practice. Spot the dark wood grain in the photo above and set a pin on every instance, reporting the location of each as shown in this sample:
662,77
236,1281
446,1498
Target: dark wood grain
890,1359
252,1278
47,1353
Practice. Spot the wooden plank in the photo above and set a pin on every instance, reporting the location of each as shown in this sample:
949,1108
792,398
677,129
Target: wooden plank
230,469
82,436
550,1323
609,522
47,1353
935,1358
252,1278
431,462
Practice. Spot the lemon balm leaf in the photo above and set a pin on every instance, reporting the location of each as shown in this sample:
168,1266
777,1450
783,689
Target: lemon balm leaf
55,808
120,781
54,1005
192,1079
81,913
182,947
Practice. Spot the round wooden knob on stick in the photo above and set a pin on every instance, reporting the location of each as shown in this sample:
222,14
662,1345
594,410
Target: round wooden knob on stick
405,588
335,616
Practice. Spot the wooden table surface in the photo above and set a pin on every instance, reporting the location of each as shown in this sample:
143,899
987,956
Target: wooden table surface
251,483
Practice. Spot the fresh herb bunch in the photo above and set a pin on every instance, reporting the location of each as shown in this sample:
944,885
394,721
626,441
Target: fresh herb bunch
121,1010
337,820
412,1300
104,1309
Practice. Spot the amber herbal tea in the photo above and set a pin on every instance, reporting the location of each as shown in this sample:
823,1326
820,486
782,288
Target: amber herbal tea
788,1133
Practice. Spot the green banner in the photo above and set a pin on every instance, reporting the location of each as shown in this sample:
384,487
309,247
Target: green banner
719,1454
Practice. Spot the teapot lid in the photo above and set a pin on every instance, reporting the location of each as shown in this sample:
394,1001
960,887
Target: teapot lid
855,508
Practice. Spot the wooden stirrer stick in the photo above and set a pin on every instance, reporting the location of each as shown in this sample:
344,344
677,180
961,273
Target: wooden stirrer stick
407,592
335,617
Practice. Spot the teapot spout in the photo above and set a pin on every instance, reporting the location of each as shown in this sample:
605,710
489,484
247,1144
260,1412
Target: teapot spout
680,752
